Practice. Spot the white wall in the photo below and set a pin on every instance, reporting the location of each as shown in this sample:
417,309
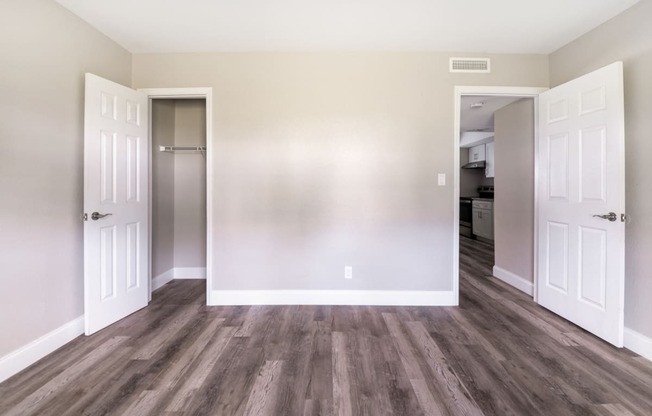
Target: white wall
514,194
330,159
45,52
627,37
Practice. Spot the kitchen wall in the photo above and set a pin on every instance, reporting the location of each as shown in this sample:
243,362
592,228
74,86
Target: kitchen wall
323,160
471,179
627,37
514,195
45,52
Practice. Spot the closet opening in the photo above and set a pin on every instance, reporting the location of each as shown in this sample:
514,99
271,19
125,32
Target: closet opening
178,189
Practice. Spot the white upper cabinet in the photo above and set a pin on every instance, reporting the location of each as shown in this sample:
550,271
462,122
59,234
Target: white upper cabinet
477,153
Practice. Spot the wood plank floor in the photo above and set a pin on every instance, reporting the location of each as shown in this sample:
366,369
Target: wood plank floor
498,353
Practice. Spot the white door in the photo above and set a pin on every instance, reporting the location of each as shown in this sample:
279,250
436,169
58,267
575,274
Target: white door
115,202
581,266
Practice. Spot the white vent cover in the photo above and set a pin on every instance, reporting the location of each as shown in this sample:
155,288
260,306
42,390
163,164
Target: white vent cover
471,65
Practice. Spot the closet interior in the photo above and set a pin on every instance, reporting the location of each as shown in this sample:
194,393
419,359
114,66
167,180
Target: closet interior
178,212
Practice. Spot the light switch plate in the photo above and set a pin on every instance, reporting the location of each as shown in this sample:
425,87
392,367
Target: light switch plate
441,179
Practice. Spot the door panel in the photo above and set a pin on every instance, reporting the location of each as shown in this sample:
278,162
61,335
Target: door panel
558,166
592,263
115,175
593,166
582,174
557,277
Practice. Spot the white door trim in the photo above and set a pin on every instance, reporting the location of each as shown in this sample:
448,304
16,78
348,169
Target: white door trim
188,93
525,92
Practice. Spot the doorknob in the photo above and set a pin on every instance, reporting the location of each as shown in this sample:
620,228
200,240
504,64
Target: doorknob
96,216
610,216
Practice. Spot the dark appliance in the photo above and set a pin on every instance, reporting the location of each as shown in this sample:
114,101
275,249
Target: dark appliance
466,216
475,165
486,192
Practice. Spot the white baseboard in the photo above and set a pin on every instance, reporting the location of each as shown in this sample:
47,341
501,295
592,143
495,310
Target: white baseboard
27,355
178,273
332,297
162,279
515,280
639,343
189,272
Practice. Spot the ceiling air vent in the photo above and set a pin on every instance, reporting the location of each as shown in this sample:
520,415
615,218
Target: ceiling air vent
470,65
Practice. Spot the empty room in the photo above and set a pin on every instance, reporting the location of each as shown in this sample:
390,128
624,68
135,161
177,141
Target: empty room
325,208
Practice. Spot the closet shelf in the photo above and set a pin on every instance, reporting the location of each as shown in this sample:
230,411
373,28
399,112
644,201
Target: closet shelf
184,148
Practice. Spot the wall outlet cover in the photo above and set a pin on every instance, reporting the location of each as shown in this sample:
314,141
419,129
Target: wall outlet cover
348,272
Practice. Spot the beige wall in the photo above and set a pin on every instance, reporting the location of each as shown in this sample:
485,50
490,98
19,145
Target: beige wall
190,185
163,124
627,37
45,52
323,160
514,194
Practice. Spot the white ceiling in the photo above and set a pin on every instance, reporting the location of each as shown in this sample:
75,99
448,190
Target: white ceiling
498,26
482,118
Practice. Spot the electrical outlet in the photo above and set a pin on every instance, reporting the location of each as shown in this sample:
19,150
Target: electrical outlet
348,272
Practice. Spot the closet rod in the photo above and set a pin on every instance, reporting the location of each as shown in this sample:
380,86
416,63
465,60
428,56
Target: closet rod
175,148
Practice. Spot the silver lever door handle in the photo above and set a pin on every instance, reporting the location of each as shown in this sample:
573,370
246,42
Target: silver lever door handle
96,216
610,216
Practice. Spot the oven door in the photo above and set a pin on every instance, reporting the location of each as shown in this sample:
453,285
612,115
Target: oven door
466,217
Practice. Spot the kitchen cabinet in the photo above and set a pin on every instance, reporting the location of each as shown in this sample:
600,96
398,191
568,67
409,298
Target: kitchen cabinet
477,153
483,219
489,164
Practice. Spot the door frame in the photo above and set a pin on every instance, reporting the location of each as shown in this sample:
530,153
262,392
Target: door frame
459,91
205,93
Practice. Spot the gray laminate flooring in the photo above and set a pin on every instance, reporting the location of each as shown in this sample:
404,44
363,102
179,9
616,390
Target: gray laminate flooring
498,353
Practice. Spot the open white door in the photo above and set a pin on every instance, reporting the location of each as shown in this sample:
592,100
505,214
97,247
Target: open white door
115,202
581,267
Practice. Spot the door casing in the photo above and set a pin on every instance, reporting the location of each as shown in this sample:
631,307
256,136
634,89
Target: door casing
179,94
524,92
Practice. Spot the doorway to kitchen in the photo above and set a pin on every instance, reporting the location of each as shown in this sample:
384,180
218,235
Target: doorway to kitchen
577,254
495,131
